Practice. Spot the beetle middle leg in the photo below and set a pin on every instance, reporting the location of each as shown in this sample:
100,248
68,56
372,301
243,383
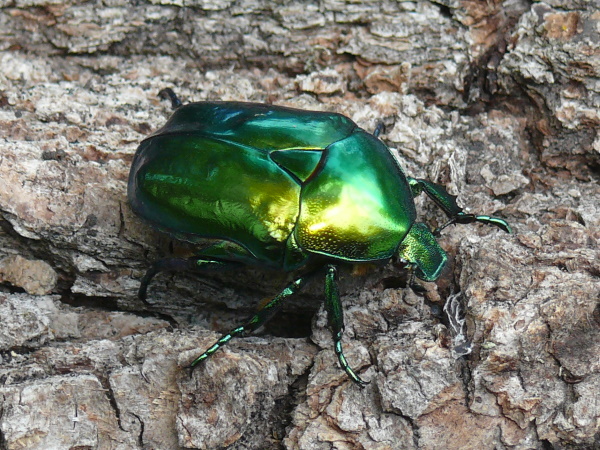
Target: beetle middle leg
447,203
260,318
336,321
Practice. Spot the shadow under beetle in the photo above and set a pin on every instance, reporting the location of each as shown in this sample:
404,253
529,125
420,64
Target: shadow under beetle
287,189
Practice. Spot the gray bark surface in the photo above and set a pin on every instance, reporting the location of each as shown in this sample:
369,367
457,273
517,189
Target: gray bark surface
499,101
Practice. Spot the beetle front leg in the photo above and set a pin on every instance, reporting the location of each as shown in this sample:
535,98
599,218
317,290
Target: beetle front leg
259,319
336,321
470,218
447,203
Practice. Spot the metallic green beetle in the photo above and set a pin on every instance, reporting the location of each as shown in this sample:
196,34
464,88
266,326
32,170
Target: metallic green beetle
287,189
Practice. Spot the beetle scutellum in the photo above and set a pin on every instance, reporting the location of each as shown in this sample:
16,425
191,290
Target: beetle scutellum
287,189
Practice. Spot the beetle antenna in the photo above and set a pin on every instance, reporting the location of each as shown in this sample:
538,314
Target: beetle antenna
169,94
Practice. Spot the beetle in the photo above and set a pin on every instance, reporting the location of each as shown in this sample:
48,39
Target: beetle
288,189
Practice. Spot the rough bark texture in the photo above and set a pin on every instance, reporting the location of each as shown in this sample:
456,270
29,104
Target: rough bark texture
497,100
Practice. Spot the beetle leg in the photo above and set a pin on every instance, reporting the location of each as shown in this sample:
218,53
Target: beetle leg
447,203
415,186
470,218
412,281
178,265
378,129
168,93
336,321
260,318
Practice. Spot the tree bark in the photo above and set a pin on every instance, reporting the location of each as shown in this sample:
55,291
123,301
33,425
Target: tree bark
499,101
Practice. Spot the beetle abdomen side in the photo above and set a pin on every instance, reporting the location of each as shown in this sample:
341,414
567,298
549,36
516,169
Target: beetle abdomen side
196,186
359,206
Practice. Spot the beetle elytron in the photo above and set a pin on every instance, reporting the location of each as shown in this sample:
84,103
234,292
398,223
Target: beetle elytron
288,189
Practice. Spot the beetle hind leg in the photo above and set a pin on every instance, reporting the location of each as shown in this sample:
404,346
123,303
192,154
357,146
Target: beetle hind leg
336,321
193,264
223,255
379,128
260,318
447,203
168,93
